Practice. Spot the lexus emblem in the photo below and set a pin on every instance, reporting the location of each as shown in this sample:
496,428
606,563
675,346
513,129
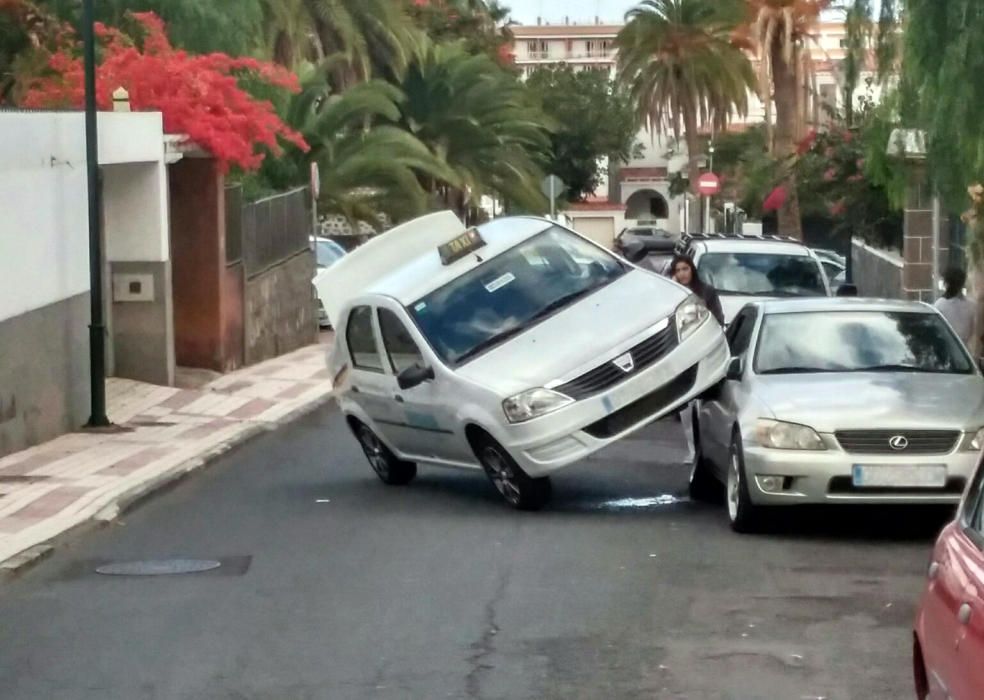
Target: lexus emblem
625,362
898,442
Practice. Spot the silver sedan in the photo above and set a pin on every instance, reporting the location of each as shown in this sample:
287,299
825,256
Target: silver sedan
839,401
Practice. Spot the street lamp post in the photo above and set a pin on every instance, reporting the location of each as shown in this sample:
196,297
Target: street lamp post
97,328
707,198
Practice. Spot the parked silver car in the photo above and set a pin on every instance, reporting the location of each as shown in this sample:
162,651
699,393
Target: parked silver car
839,401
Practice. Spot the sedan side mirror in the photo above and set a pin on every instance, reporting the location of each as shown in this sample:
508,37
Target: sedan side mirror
635,252
414,376
735,369
847,290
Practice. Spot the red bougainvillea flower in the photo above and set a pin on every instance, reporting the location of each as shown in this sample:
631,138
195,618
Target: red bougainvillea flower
857,177
838,208
775,200
197,95
829,175
859,163
806,144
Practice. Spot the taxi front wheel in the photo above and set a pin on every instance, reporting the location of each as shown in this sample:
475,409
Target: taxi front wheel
388,468
520,490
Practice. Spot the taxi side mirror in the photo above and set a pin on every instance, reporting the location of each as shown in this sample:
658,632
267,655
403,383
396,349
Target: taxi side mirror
735,369
414,376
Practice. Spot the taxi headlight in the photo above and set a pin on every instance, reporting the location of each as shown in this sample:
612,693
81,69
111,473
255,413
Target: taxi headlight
974,441
533,404
787,436
689,315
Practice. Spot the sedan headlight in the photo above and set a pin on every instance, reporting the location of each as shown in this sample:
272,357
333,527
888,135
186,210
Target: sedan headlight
533,404
787,436
973,441
689,315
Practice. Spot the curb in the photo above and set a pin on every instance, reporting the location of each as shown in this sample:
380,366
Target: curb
133,496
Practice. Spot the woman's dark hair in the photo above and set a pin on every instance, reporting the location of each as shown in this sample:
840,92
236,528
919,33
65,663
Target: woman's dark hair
954,281
696,285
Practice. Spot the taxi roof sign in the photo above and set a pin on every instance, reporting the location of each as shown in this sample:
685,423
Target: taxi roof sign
459,247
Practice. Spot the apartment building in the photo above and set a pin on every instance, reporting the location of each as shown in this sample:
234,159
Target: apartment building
640,189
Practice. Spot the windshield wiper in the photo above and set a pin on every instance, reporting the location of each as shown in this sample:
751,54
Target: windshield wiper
800,370
897,368
560,303
491,342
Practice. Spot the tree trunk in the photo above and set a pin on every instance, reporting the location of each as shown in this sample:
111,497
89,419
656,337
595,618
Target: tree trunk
787,128
693,164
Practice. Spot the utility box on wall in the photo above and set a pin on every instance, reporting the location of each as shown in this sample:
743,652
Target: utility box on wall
128,287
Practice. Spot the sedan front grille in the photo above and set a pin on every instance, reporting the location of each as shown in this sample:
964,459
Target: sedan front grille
898,442
650,350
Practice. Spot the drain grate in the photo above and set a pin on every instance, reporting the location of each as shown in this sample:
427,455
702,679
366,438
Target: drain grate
158,567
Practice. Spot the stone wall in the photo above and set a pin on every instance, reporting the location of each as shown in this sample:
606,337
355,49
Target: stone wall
281,311
44,373
877,273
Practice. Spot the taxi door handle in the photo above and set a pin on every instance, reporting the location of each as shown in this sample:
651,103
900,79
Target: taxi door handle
356,390
963,615
398,398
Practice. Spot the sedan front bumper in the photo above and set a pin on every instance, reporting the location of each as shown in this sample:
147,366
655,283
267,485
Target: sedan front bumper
804,477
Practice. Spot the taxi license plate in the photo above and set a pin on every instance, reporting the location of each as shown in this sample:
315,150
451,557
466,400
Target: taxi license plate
899,475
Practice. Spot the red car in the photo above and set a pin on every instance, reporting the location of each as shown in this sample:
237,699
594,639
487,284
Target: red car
948,653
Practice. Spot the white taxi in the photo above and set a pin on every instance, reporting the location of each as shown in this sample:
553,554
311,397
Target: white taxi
518,347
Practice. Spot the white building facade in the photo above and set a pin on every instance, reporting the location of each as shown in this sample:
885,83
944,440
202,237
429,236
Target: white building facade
640,190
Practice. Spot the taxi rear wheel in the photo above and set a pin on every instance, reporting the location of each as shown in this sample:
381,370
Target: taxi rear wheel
518,488
388,467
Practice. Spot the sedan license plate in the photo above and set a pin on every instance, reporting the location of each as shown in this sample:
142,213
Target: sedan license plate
899,476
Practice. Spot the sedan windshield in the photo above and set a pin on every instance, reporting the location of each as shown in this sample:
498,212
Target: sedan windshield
762,274
328,253
511,292
858,341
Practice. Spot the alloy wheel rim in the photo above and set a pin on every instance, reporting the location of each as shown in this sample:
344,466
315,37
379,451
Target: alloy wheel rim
374,452
734,486
502,474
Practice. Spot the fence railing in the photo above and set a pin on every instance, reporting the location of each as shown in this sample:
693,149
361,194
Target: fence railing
268,231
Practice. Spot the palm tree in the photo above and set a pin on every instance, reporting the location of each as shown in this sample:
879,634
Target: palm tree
368,164
683,68
373,38
781,29
482,122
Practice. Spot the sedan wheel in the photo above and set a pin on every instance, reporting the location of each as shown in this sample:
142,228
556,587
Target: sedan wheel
744,515
519,489
387,466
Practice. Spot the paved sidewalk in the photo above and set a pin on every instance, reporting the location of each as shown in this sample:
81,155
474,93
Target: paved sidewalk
163,432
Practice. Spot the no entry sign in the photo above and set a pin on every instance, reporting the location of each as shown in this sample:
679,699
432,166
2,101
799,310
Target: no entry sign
708,184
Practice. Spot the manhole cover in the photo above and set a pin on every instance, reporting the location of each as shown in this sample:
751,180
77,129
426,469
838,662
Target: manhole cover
163,567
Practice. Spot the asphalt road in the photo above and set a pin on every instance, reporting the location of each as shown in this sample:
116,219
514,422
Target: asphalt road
335,587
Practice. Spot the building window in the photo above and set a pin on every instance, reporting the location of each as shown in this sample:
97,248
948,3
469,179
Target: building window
537,48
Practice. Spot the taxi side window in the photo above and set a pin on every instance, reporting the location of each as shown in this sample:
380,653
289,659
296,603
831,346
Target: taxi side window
362,340
401,350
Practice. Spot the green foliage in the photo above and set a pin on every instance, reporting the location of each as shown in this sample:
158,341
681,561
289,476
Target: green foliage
475,22
595,119
201,26
479,120
944,74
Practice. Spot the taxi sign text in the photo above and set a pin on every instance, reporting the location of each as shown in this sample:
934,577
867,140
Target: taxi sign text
461,246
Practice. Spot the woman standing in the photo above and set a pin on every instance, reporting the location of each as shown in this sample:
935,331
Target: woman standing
959,311
684,271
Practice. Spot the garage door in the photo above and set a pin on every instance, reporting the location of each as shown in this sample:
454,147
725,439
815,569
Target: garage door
599,229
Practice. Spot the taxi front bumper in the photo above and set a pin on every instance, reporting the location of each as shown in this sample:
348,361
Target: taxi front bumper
553,441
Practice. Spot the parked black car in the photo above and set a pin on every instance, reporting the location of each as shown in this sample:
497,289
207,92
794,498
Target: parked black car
652,240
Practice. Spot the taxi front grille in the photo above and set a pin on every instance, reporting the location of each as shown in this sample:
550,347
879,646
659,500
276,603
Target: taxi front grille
888,442
609,374
664,398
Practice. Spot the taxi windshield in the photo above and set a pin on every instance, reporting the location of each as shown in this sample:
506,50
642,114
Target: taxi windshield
512,292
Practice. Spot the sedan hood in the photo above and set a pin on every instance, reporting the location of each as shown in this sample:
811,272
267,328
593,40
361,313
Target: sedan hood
872,400
579,335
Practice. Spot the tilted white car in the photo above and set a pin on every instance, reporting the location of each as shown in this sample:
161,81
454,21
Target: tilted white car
518,347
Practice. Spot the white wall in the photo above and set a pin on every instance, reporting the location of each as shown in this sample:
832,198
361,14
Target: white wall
44,247
135,209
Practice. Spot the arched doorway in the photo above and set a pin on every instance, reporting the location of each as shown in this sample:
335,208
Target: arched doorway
646,204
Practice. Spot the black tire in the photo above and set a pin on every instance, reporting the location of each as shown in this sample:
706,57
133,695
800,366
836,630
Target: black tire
744,516
518,488
389,469
703,485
